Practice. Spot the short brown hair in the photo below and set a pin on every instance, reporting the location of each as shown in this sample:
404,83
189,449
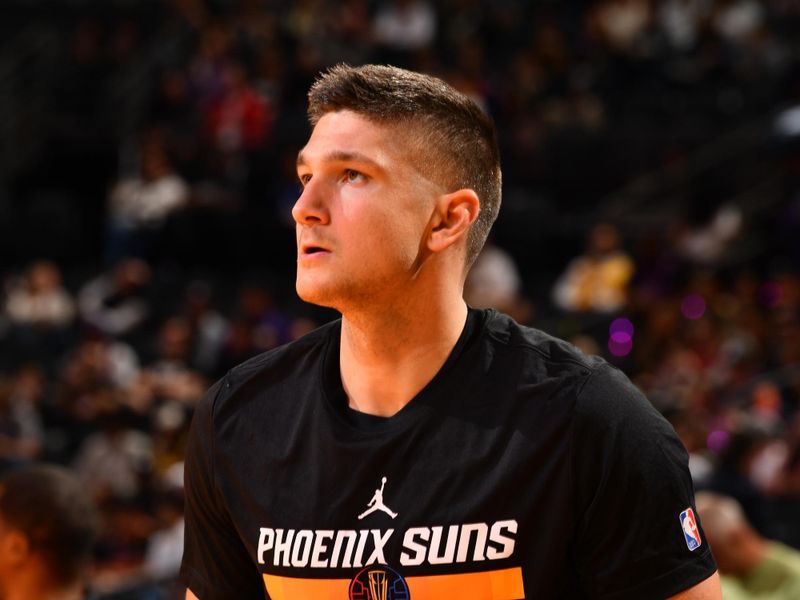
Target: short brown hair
460,139
52,509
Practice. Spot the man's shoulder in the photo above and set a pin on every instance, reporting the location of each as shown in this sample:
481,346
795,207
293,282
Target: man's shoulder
597,388
539,349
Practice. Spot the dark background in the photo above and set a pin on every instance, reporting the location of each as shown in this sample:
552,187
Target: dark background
669,124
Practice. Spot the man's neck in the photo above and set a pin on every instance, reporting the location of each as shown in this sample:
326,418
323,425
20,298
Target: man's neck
388,356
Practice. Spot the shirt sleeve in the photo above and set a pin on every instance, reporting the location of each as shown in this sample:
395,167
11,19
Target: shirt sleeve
632,484
216,564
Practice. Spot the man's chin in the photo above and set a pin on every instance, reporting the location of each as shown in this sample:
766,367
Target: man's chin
315,293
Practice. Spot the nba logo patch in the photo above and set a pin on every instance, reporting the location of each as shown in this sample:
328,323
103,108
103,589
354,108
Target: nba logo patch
690,531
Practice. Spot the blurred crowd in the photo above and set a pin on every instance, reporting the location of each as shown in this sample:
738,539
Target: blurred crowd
651,215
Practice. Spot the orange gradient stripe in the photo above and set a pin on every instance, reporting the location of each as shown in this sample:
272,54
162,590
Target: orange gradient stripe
294,588
505,584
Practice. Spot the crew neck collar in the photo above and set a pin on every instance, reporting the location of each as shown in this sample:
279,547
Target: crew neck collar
336,397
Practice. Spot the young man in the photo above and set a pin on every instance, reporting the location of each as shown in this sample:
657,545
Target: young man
47,530
417,448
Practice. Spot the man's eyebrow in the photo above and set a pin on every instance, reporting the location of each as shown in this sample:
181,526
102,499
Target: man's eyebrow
340,156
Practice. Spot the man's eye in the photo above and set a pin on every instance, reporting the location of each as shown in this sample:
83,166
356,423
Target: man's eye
353,176
304,179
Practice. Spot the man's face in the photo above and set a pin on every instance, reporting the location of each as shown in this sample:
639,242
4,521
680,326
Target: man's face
363,214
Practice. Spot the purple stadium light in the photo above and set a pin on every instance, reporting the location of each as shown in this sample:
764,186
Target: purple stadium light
718,440
620,337
693,306
620,343
621,325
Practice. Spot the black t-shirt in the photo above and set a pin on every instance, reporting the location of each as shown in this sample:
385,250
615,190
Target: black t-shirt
524,469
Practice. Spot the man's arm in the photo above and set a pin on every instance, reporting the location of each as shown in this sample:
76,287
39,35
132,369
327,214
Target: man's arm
215,562
633,492
705,590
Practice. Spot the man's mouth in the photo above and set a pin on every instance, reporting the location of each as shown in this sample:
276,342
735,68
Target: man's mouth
312,250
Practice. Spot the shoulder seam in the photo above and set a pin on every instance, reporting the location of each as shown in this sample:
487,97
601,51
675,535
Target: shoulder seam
538,351
592,372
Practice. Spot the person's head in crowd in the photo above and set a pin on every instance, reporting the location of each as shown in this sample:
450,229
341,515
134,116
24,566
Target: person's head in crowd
174,339
737,547
604,239
741,450
155,163
255,302
44,277
169,506
47,531
198,301
130,276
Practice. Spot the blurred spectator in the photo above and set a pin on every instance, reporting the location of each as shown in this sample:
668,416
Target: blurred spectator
708,243
737,20
257,306
208,325
404,25
139,206
47,529
38,298
165,544
113,462
259,324
173,115
239,346
174,346
118,572
98,361
138,554
621,24
116,302
21,428
494,282
171,377
692,431
170,427
208,64
597,280
238,119
733,475
751,565
40,313
683,20
98,376
790,477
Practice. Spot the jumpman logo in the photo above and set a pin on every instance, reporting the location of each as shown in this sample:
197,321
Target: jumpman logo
377,503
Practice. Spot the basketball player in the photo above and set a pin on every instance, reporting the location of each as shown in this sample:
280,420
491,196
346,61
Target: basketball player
47,529
418,448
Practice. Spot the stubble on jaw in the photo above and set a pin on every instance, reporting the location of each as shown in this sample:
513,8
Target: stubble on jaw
345,292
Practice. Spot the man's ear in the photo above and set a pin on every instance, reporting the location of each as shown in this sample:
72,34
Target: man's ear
454,214
15,546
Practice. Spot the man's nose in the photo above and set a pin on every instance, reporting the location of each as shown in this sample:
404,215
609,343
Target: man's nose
311,207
